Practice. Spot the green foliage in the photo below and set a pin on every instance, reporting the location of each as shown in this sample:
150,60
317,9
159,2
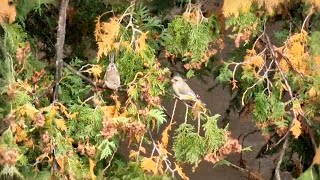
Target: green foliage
158,115
262,107
183,37
89,121
188,146
225,73
314,43
132,171
107,148
214,137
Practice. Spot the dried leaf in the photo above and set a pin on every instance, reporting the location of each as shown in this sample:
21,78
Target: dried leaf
141,42
91,169
165,135
316,158
180,172
21,134
133,154
296,129
28,110
7,12
231,7
149,165
61,124
109,111
61,163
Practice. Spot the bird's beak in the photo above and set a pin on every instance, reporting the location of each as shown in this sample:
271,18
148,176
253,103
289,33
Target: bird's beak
172,80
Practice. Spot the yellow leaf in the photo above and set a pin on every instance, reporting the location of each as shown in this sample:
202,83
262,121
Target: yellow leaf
141,41
133,154
96,70
312,92
316,158
296,107
91,169
28,110
296,129
149,165
109,111
7,11
142,149
61,124
21,134
165,135
162,150
29,143
61,162
232,7
180,172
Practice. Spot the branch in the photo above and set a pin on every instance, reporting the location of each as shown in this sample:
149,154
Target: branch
59,47
78,73
284,146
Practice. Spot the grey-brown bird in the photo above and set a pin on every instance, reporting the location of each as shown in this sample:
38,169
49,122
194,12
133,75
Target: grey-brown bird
112,76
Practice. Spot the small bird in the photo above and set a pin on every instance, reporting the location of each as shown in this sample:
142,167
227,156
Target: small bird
182,90
112,77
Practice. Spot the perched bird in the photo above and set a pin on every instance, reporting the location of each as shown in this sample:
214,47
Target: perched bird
182,90
112,77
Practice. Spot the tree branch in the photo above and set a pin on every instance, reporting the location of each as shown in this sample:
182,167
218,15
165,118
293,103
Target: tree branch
284,146
59,47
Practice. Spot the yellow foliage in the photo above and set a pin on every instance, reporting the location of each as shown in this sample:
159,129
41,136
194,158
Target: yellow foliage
95,70
269,5
180,172
109,111
20,134
252,61
294,51
232,7
61,124
296,128
61,162
28,110
91,169
133,154
7,12
152,164
315,3
141,43
106,33
165,135
316,158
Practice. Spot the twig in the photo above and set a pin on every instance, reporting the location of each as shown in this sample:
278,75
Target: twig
174,110
78,73
59,47
306,20
284,146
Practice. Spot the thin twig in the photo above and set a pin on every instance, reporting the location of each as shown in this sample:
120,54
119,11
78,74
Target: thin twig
79,74
59,46
284,146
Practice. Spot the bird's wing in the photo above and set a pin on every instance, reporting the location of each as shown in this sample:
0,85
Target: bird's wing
184,89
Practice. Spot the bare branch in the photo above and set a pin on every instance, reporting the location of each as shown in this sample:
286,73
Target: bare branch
59,46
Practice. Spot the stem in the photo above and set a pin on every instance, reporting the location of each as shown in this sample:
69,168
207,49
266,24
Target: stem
59,47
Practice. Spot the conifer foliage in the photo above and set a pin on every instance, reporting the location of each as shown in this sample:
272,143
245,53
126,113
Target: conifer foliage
71,126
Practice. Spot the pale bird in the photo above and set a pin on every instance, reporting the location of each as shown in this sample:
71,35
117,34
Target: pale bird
112,77
182,90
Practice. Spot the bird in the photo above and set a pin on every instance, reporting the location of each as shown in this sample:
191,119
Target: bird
182,89
112,76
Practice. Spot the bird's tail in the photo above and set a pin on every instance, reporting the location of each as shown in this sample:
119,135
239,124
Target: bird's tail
111,57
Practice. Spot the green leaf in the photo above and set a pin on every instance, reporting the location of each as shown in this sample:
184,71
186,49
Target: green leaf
309,174
106,147
190,73
158,115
